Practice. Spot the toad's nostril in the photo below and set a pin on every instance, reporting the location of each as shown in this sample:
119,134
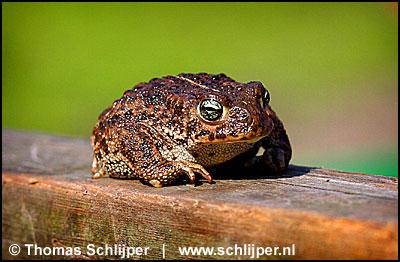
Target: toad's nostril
245,117
240,114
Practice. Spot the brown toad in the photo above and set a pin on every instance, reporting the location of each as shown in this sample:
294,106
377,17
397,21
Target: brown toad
180,124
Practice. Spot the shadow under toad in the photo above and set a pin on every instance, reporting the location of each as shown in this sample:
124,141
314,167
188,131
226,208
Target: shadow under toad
238,171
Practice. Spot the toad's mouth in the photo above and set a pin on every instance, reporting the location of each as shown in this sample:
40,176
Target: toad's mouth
233,134
232,140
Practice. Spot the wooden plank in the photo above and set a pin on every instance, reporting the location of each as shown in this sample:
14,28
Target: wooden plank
49,199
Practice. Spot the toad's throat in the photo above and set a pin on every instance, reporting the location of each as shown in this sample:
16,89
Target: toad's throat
217,153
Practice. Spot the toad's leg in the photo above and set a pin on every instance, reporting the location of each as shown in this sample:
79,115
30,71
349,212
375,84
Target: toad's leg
97,170
277,147
141,152
167,172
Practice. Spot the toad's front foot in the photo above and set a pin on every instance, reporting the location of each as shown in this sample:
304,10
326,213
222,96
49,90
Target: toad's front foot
167,173
275,159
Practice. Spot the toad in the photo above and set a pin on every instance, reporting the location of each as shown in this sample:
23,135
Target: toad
184,124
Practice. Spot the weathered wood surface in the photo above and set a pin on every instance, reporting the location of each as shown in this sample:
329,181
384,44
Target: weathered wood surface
49,199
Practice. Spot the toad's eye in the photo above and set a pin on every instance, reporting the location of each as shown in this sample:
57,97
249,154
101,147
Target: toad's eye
210,109
264,99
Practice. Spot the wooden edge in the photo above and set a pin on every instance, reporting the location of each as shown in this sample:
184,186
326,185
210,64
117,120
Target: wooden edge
75,215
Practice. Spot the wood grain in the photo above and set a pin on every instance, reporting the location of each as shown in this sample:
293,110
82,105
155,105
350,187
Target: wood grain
50,199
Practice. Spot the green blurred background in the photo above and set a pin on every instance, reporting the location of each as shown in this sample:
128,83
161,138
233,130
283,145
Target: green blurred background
331,68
